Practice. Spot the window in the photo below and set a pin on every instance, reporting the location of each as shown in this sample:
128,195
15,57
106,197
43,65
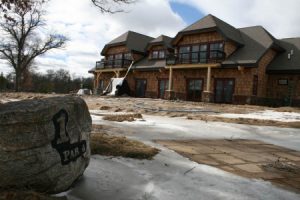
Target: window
127,56
158,54
255,85
203,53
161,54
154,55
283,82
195,54
184,54
118,60
216,50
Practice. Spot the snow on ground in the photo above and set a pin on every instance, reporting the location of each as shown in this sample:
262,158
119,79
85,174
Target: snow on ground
165,177
266,115
8,100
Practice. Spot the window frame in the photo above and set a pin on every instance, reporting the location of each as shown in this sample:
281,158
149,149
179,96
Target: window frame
208,51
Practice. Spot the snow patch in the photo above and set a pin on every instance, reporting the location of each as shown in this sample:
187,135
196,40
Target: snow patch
266,115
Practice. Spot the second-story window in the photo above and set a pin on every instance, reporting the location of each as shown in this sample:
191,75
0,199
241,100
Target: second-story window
158,54
127,56
216,50
118,60
184,54
161,54
154,55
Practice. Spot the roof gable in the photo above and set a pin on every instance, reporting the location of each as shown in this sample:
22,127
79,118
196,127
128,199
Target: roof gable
132,40
256,43
212,23
282,62
161,40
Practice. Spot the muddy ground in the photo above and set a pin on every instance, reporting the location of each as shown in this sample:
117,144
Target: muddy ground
190,110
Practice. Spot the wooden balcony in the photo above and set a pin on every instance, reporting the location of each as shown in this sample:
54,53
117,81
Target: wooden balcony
113,64
199,57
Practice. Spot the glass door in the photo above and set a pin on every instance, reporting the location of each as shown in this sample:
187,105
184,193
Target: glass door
224,89
163,85
194,89
140,87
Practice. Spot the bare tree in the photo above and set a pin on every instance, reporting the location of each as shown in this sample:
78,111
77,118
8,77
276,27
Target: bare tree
23,37
111,6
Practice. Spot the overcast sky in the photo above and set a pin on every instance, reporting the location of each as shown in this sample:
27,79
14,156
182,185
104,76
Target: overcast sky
88,29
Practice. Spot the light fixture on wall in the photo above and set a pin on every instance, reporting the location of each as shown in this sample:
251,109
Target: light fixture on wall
241,68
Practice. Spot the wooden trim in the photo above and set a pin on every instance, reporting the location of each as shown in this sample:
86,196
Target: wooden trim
202,43
111,70
191,66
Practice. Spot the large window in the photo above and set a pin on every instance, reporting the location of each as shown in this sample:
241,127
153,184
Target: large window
200,53
184,54
119,60
216,50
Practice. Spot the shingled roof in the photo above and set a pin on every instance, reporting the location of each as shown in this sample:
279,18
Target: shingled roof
161,40
256,43
282,63
132,40
212,23
149,65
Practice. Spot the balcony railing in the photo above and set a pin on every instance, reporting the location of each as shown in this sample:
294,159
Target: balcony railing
109,64
213,56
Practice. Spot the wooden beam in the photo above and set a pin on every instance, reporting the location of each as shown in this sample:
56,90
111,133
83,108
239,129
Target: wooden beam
194,66
111,70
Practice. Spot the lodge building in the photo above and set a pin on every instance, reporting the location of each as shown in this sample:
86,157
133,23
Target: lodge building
209,61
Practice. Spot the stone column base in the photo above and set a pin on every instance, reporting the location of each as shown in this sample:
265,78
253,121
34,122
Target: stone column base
207,96
170,94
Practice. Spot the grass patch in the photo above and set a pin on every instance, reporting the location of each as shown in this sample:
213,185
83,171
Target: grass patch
107,145
123,117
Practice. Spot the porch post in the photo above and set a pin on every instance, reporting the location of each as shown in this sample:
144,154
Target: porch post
171,79
117,74
207,95
170,93
208,79
95,81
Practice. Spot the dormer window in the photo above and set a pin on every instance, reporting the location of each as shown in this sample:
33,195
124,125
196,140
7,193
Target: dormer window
158,54
161,54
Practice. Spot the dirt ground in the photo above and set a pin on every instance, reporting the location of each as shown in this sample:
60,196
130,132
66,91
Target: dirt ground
248,158
190,110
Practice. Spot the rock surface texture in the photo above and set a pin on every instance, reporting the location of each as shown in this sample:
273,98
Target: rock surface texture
44,144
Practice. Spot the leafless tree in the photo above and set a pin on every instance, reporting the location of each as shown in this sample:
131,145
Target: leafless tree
23,37
111,6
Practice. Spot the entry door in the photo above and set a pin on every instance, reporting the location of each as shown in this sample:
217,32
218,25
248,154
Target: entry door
224,89
140,87
194,89
163,85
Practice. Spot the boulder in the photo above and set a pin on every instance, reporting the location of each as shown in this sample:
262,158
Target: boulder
44,144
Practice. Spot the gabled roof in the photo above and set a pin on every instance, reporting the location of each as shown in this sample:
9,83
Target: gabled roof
132,40
212,23
161,40
281,63
256,43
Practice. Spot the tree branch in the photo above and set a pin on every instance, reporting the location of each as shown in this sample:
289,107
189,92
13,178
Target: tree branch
104,5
